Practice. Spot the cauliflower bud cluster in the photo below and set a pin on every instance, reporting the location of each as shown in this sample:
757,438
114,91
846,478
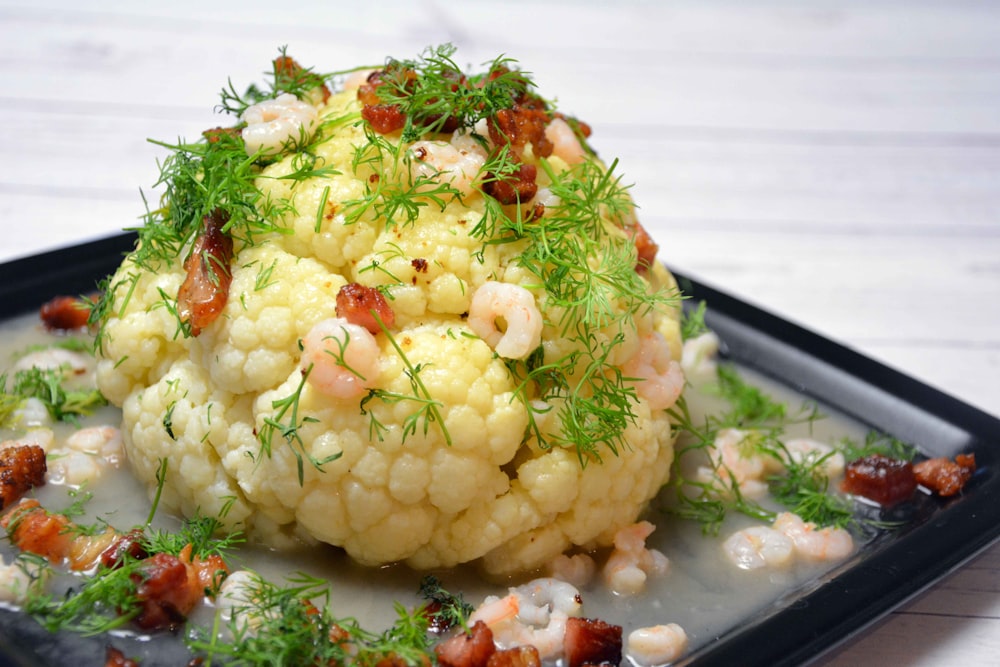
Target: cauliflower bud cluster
415,317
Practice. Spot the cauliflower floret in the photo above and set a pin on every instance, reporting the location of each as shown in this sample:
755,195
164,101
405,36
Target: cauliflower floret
442,451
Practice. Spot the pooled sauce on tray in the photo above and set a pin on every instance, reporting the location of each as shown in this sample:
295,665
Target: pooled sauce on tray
702,592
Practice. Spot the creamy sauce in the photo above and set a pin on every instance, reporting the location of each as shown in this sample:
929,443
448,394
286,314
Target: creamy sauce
703,592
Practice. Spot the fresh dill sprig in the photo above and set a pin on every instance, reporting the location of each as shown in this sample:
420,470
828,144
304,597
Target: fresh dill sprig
446,609
693,321
877,443
427,411
433,93
288,409
802,486
48,385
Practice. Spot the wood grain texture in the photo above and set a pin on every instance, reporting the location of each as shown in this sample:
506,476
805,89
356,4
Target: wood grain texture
837,163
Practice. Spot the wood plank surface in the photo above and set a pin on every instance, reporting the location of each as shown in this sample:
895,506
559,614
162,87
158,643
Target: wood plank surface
837,163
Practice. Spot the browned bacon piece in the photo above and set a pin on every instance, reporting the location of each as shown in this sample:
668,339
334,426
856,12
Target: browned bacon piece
205,290
646,248
66,313
471,649
22,467
592,642
519,656
31,528
519,126
943,476
288,71
383,118
356,303
115,658
517,187
129,545
166,591
882,479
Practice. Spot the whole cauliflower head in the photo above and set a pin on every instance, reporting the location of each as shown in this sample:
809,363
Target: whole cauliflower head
416,318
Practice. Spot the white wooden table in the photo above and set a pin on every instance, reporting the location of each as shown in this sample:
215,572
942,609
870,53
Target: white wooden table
837,163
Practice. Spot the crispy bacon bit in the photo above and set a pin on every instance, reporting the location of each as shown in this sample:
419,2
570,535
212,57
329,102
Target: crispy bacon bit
520,125
31,528
205,290
22,468
166,591
115,658
519,656
288,72
208,572
470,649
882,479
945,477
356,303
646,248
592,642
129,545
66,313
383,118
517,187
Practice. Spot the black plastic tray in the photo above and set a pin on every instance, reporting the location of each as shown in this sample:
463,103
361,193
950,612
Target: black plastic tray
796,629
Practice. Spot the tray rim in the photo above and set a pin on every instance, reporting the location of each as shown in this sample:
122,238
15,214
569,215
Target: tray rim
850,598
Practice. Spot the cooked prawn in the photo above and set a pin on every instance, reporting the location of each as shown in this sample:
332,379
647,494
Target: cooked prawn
533,614
807,451
18,578
457,162
631,563
274,124
342,359
52,358
698,356
578,569
814,543
506,317
86,455
758,546
656,645
565,144
654,374
734,462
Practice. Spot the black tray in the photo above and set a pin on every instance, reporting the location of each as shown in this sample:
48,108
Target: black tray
796,629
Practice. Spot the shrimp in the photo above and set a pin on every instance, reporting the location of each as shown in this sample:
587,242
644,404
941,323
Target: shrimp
565,144
506,317
52,358
42,437
534,614
758,546
356,79
578,569
656,645
814,543
73,468
457,162
86,455
733,459
237,597
19,578
33,414
342,359
274,124
698,355
631,563
807,451
102,441
654,374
